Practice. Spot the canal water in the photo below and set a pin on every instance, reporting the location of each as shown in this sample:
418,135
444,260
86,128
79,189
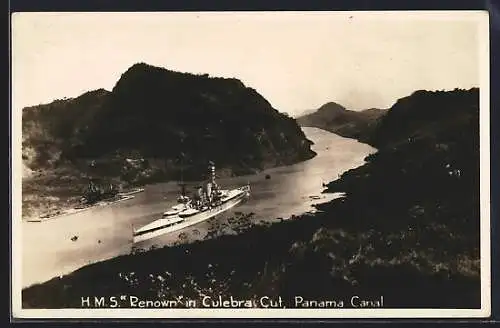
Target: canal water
105,232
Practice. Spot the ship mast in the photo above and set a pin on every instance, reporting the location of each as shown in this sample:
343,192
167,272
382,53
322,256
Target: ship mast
211,187
182,184
211,170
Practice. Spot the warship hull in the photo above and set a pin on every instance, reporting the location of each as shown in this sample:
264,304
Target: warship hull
177,222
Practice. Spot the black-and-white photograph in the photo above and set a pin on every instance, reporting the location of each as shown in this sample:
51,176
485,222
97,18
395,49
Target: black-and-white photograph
250,164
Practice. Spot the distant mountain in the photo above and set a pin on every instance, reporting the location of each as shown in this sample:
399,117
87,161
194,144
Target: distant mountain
164,118
347,123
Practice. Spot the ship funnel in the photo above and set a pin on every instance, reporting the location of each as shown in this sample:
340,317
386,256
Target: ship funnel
211,171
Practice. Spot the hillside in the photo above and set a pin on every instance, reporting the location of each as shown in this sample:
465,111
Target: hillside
49,130
432,116
347,123
153,120
407,230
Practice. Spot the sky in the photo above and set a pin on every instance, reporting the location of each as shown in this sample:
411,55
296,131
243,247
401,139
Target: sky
297,61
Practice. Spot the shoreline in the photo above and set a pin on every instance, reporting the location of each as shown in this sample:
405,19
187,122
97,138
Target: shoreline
354,244
99,246
75,209
67,205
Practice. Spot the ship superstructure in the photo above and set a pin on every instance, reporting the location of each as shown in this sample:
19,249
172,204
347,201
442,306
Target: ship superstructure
207,201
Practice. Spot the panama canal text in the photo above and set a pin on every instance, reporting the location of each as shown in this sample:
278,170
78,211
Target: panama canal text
129,301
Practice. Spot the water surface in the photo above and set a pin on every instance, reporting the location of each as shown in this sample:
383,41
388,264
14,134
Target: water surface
106,232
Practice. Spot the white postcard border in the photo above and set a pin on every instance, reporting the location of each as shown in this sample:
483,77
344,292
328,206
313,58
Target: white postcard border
16,233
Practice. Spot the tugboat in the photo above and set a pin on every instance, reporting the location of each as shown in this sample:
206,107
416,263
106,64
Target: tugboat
208,201
98,192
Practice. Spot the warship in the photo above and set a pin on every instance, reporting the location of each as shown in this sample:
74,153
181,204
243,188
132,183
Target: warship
208,201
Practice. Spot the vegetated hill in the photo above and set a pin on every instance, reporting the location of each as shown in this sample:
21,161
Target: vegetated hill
155,119
407,230
159,115
48,131
430,115
347,123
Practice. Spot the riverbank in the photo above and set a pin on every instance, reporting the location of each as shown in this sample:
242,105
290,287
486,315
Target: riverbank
105,232
316,256
417,247
81,208
54,194
407,229
123,135
57,192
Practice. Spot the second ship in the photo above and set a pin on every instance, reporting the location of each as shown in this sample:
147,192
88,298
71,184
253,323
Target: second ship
208,201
